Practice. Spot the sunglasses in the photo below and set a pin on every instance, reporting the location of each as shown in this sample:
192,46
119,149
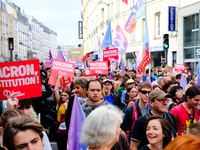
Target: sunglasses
72,93
145,92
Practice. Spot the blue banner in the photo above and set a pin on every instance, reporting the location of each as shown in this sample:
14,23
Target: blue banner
172,18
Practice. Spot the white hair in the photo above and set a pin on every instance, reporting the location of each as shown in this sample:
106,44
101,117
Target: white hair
100,126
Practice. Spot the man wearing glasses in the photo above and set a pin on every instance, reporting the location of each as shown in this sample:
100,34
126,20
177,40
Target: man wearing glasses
141,105
158,102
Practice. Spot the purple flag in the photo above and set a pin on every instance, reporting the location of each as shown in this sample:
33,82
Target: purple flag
183,82
75,127
122,67
111,76
50,58
120,42
60,56
198,73
149,77
173,71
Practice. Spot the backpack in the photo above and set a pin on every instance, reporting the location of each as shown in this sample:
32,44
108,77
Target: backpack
134,117
129,104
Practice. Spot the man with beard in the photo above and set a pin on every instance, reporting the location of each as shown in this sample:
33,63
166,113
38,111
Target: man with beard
109,96
158,102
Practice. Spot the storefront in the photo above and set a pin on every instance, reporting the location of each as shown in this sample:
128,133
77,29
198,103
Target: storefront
157,55
130,59
188,27
191,46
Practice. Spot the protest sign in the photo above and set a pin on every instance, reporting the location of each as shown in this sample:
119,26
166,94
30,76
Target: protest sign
168,68
98,67
110,54
21,77
87,72
65,80
180,68
62,68
78,64
90,76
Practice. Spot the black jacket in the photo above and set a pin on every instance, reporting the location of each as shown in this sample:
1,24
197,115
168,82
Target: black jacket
115,99
68,114
37,101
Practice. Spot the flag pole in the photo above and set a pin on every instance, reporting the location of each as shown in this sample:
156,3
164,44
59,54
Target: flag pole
149,43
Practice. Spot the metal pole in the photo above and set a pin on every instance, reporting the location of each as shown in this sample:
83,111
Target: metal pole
11,55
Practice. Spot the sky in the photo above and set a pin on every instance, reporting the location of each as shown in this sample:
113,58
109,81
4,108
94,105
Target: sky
61,16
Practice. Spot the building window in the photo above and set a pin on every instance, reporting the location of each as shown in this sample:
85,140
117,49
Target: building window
134,36
143,28
102,15
191,30
174,56
118,6
157,16
189,53
111,11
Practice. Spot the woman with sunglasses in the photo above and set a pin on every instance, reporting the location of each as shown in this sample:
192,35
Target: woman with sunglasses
158,132
62,104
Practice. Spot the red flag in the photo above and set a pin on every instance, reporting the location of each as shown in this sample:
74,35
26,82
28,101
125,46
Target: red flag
146,52
125,1
85,57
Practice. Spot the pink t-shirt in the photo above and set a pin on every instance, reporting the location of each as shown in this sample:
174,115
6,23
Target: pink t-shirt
183,119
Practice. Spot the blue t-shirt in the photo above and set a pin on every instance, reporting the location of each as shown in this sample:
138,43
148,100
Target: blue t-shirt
109,99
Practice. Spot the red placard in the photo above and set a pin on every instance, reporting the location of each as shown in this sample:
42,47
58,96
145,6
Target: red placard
98,67
90,76
180,68
65,80
110,54
21,77
62,68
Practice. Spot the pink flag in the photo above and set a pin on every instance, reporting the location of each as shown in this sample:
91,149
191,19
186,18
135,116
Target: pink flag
137,61
120,42
100,50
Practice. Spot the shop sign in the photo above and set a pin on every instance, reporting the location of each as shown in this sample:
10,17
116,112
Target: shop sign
171,18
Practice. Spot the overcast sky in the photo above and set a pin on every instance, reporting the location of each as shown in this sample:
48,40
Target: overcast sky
62,16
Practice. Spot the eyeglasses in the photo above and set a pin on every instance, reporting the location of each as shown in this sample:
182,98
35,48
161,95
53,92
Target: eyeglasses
145,92
163,100
180,90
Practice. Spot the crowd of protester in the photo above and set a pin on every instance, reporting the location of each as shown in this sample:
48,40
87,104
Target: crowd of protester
148,111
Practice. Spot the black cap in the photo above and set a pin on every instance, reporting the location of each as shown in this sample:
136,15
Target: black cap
107,80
